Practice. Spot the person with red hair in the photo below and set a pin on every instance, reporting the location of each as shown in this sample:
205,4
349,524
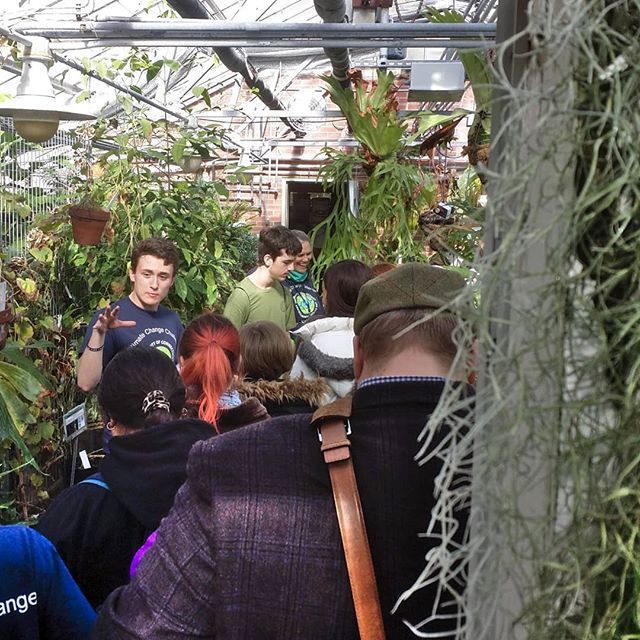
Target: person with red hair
209,356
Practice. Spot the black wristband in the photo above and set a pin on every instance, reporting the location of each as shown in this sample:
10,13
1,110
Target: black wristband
95,349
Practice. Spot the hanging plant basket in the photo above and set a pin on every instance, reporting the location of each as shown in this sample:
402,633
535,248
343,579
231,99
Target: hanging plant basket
191,164
88,223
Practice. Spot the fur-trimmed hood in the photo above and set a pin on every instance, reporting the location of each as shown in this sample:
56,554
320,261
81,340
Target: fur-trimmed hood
248,412
326,351
289,390
326,348
324,364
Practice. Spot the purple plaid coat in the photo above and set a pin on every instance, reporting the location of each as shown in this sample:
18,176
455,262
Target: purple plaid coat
251,548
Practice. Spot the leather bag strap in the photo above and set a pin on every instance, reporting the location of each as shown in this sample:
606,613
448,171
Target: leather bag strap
337,454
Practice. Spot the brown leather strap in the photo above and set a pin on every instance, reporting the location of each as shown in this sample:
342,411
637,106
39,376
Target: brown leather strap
340,408
337,454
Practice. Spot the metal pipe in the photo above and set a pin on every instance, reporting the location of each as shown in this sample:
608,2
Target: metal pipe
16,37
329,114
297,35
253,53
369,43
233,58
335,12
118,87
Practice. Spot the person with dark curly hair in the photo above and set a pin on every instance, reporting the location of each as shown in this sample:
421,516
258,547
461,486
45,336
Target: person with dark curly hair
98,525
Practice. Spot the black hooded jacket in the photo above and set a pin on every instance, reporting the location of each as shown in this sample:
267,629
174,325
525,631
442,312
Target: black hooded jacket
96,530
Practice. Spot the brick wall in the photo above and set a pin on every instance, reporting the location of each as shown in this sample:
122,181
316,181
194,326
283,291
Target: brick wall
300,160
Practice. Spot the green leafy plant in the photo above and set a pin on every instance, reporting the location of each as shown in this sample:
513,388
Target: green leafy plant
396,186
478,71
18,388
42,348
371,111
193,142
210,236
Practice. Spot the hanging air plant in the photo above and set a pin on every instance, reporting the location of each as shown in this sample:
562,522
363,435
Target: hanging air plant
478,72
398,188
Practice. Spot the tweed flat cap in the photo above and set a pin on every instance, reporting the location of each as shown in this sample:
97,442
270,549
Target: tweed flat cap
408,286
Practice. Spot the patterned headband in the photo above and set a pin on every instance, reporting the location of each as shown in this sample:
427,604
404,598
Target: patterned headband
153,401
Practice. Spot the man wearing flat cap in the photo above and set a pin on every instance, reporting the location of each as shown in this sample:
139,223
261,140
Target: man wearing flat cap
252,548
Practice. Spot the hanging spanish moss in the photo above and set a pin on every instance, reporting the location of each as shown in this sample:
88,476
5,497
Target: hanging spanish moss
554,549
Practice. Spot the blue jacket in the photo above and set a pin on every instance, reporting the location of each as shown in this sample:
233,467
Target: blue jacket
38,597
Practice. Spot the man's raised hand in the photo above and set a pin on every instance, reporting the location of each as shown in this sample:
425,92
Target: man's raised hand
108,319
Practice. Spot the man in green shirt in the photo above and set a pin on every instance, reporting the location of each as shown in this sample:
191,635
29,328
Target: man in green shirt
261,296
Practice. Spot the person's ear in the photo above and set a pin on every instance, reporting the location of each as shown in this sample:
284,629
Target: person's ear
268,260
358,360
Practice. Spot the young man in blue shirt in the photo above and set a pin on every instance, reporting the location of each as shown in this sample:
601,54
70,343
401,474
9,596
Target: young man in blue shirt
138,319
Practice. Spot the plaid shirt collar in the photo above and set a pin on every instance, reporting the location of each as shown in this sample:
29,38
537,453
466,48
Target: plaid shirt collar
369,382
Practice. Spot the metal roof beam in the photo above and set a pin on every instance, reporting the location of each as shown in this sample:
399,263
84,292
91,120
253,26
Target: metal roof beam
118,87
218,33
270,44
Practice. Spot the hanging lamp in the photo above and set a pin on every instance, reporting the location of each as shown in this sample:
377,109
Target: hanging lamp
436,81
35,111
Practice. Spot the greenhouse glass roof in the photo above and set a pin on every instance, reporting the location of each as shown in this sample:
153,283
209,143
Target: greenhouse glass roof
184,76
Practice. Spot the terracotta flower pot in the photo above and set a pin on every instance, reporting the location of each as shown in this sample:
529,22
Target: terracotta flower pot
88,223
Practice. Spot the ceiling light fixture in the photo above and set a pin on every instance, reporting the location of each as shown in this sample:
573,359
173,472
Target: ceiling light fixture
35,111
436,81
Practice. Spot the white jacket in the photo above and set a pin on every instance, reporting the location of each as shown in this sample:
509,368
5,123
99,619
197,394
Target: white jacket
326,351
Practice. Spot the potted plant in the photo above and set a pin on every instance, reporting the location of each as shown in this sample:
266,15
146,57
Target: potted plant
88,220
88,214
195,145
